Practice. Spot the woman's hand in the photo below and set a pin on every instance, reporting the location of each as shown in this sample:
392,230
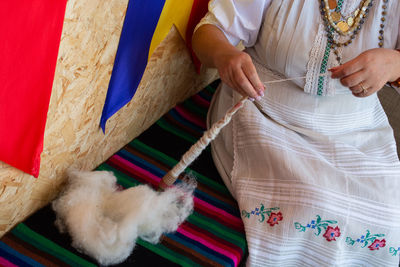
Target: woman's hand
237,70
369,72
235,67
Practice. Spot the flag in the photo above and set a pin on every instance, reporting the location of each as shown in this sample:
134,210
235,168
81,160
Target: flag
30,32
146,25
199,9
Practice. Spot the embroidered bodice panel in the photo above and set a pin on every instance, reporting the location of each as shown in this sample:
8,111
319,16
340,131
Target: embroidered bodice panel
289,37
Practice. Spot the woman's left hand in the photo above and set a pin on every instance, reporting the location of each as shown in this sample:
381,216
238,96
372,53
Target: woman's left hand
369,72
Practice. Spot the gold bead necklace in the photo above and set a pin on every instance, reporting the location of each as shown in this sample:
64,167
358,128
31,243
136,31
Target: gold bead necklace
348,26
345,25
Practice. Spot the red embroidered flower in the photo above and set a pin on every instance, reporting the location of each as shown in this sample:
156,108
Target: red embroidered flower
331,233
274,218
377,244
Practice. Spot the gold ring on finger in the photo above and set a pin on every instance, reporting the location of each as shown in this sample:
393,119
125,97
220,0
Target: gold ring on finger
364,90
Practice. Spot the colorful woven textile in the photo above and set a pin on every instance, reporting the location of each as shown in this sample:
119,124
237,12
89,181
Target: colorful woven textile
212,236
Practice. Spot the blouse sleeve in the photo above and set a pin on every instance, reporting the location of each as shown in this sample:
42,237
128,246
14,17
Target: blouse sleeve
398,38
239,20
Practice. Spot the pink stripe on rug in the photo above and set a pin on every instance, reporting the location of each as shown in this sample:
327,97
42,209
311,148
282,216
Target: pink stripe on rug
154,180
191,117
209,244
221,243
129,166
200,101
234,220
6,263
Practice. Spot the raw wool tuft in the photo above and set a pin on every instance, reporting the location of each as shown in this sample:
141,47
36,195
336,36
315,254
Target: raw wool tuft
104,222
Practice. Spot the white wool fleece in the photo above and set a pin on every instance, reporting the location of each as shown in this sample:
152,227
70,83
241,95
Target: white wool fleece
105,222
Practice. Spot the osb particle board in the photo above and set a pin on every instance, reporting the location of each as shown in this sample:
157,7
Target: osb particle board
72,137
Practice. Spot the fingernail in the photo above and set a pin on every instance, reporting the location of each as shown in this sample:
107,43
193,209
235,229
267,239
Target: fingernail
251,99
261,93
258,97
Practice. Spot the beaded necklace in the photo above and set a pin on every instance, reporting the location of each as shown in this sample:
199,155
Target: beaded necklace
345,25
348,26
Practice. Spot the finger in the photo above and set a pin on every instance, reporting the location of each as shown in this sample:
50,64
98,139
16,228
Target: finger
233,86
243,83
347,69
366,90
359,88
367,82
356,89
251,74
225,78
354,79
362,94
372,85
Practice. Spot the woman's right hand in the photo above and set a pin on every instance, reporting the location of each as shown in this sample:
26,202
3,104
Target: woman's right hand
235,67
237,70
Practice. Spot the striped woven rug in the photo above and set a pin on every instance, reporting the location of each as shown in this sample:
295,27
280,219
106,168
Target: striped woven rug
212,236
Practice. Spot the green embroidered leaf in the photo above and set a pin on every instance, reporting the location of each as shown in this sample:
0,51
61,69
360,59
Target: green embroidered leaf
262,217
261,207
329,221
324,225
245,214
319,231
350,241
393,251
378,235
318,219
367,235
299,227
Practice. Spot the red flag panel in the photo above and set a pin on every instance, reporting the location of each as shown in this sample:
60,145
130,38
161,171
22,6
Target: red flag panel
30,32
199,9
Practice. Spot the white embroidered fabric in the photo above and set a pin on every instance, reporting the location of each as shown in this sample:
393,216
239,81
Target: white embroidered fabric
323,169
289,36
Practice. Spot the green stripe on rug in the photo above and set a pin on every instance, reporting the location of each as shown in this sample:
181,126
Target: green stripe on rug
122,178
26,234
172,162
167,253
197,219
210,89
218,229
191,106
178,132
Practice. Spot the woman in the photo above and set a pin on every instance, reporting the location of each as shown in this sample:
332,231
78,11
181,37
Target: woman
312,162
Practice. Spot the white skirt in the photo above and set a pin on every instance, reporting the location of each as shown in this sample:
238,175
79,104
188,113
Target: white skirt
317,179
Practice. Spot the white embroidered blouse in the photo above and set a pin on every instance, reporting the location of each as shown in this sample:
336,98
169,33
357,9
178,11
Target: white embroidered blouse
289,37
